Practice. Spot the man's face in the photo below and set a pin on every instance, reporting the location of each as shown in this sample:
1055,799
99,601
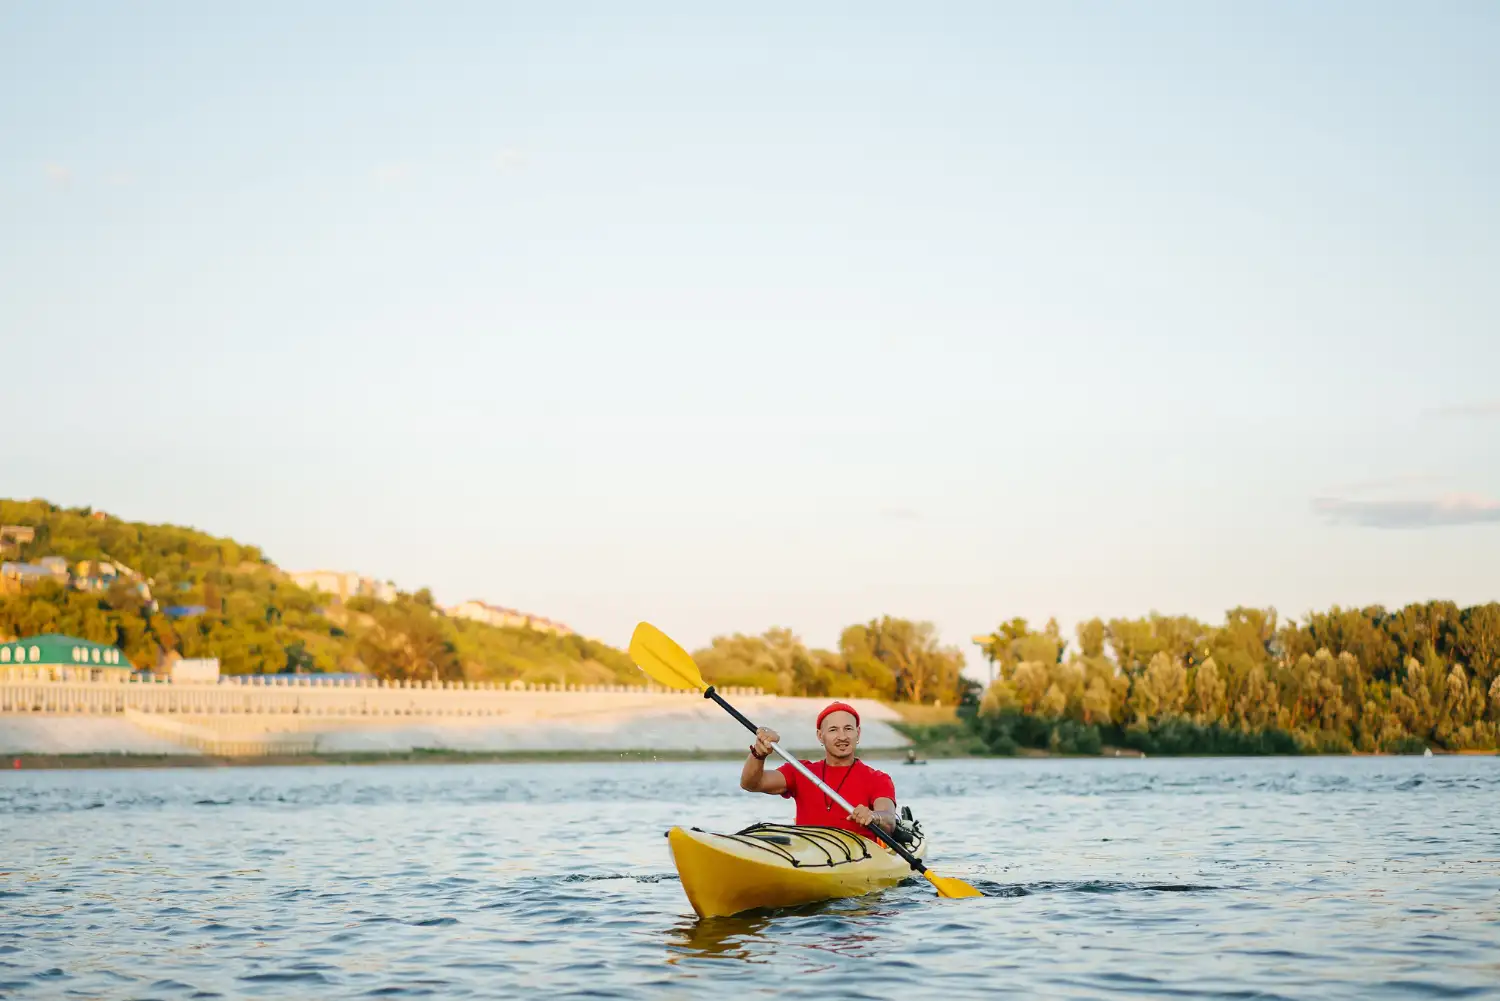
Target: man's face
839,734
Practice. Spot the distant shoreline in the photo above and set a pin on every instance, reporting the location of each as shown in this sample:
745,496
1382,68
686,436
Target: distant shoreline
104,760
97,761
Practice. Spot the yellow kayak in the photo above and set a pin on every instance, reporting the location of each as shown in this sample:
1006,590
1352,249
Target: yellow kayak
782,865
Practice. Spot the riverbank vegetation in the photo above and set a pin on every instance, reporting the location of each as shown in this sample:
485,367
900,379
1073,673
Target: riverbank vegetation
1345,680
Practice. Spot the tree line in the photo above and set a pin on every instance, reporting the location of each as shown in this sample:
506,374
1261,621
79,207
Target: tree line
886,658
1426,675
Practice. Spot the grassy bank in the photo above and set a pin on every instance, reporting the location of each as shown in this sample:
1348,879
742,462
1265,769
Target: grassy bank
935,731
942,740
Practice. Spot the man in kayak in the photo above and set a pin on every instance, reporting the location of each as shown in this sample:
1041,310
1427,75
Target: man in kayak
869,790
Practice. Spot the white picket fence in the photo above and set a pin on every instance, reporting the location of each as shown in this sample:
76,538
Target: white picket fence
308,694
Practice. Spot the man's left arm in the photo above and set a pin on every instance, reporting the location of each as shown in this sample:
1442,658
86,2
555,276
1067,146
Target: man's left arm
883,813
882,809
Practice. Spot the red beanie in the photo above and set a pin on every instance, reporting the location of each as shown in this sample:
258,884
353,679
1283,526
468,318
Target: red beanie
834,707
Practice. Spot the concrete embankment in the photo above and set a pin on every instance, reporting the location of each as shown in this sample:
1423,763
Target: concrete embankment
557,721
697,726
81,735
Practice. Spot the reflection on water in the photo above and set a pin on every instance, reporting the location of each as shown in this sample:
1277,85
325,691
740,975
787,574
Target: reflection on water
717,938
1292,878
739,936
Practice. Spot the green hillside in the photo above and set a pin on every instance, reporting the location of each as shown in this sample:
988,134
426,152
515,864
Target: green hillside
256,620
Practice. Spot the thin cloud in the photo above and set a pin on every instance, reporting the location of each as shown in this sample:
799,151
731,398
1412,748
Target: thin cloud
1438,512
1386,483
60,175
509,159
1490,408
391,174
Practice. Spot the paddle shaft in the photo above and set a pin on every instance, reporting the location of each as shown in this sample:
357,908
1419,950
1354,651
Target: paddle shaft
875,829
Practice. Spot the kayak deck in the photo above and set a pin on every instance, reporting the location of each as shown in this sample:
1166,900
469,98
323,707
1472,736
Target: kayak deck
781,865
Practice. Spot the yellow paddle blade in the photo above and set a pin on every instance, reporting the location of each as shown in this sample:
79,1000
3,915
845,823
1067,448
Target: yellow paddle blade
664,662
953,889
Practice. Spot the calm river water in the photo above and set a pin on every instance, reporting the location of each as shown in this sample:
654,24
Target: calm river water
1298,878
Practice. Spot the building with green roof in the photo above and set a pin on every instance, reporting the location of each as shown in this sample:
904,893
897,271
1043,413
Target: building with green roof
54,657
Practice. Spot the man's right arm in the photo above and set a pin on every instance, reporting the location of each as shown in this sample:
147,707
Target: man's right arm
754,777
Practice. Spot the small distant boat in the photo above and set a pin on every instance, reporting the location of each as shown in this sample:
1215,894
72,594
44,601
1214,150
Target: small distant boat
912,759
1426,752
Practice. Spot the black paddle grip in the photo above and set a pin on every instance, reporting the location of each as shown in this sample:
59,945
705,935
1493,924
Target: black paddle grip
709,693
875,829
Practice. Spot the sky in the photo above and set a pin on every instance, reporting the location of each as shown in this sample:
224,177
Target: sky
783,315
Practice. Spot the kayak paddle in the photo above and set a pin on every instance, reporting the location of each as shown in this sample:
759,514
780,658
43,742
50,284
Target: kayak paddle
662,660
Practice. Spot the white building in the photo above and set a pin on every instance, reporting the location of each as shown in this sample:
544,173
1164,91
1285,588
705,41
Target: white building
195,671
507,618
344,584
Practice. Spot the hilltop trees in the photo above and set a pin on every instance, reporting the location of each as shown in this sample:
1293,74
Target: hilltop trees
405,641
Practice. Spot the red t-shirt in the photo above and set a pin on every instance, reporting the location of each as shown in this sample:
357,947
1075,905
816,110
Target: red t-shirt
859,784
